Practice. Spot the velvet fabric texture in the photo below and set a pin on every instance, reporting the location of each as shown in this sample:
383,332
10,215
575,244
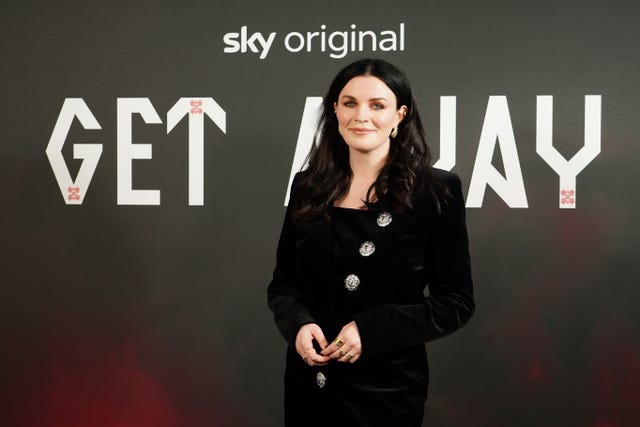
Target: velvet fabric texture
415,287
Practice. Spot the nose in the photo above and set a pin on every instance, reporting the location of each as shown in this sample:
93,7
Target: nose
362,114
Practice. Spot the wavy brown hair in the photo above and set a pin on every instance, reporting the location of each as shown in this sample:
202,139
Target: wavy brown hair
328,175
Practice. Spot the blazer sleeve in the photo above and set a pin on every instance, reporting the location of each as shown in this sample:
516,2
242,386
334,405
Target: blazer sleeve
283,293
449,303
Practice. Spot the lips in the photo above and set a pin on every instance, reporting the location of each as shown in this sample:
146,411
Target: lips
361,131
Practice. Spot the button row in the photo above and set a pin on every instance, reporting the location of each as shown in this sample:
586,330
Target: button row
352,282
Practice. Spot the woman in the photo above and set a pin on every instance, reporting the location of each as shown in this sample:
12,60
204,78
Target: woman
370,230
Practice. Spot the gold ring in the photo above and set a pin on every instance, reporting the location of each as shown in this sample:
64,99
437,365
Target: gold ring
349,356
341,353
306,360
339,342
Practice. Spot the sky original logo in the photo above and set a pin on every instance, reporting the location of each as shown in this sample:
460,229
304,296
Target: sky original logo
337,43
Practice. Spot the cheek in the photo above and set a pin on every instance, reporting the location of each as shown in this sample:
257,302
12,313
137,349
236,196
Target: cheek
388,121
343,120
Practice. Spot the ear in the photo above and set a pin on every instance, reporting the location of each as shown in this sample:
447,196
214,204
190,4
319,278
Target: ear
400,114
335,106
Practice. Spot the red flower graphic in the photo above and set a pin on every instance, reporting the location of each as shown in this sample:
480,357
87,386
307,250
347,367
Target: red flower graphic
567,197
195,106
74,193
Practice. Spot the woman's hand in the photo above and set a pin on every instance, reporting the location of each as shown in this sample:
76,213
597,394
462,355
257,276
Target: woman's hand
304,345
347,346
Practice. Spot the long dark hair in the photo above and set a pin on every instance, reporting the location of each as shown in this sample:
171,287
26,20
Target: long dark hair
328,175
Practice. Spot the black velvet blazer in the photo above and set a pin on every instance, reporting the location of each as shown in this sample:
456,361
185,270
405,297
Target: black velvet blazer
415,287
425,248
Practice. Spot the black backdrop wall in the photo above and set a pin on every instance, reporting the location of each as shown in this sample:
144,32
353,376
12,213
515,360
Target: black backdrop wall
127,308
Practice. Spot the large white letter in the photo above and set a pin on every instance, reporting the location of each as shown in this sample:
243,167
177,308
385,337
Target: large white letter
73,191
310,117
196,108
497,127
447,133
127,151
568,170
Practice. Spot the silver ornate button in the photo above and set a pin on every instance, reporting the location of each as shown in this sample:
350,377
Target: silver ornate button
384,219
367,248
351,282
321,380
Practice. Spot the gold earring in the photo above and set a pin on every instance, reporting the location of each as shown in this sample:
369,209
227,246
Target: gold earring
394,132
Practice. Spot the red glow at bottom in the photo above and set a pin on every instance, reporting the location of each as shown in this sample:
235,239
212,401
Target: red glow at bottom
616,376
102,389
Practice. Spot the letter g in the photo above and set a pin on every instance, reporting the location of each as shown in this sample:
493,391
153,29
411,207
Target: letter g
73,191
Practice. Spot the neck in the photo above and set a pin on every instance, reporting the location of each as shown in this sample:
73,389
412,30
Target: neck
367,166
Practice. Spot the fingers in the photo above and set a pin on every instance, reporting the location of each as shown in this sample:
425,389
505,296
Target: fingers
335,346
347,354
311,358
349,357
346,347
304,345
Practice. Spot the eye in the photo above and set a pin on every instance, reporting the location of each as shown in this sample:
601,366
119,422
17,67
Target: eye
377,106
349,103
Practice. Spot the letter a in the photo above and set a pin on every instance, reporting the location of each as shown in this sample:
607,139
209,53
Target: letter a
497,127
310,117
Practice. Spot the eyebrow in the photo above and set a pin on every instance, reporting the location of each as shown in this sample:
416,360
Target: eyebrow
381,98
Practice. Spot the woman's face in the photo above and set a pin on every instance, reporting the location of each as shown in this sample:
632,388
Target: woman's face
367,113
